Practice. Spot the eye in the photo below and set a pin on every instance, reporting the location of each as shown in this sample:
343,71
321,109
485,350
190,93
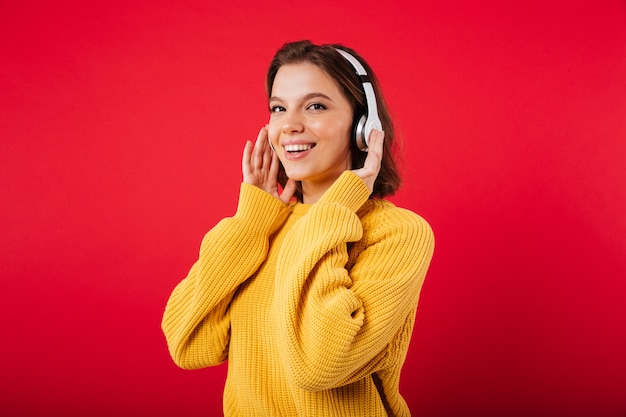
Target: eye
317,106
276,109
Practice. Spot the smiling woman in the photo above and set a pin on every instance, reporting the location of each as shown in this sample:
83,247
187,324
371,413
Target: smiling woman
346,79
310,293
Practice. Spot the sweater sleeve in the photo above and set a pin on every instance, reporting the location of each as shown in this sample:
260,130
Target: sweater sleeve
196,321
335,324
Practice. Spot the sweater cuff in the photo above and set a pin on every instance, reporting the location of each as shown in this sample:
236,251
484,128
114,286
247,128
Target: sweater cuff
259,209
348,190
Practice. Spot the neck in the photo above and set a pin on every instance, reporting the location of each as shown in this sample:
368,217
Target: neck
312,192
313,189
311,196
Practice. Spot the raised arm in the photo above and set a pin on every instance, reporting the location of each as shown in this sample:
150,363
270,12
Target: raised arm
338,310
196,321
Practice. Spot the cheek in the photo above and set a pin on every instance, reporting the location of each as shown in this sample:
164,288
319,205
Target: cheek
338,128
343,130
273,132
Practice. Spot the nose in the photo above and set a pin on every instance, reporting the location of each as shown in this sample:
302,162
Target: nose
292,123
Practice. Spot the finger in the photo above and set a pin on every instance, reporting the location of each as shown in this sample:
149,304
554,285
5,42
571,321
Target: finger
245,159
375,153
379,141
288,191
274,165
268,156
259,148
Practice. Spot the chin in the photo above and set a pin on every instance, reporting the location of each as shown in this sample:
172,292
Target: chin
296,176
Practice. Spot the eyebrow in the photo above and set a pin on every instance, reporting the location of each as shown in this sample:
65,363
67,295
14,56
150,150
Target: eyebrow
305,98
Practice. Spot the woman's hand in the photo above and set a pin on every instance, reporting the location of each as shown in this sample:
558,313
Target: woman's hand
371,167
260,167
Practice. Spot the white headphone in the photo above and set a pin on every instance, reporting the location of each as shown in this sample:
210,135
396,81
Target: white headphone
371,121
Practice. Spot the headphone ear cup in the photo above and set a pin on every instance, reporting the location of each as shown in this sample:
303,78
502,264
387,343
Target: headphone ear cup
359,134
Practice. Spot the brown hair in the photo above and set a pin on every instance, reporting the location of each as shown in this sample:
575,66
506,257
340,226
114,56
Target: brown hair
334,64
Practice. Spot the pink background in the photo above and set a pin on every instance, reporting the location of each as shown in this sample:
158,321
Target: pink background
121,130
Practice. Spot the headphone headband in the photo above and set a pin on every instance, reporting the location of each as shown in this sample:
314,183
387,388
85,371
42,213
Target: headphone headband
370,122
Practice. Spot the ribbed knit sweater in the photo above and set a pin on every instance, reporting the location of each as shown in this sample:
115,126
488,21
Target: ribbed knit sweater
312,305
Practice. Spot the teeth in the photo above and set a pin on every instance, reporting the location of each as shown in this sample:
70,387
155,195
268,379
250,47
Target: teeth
297,148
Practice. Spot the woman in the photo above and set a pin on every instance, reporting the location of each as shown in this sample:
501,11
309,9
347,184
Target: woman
310,293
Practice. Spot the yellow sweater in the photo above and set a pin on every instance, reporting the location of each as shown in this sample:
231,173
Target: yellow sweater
312,305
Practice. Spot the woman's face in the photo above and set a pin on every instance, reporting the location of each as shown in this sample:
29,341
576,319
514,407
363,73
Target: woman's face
310,125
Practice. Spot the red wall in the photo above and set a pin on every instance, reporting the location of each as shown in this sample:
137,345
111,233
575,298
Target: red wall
121,130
